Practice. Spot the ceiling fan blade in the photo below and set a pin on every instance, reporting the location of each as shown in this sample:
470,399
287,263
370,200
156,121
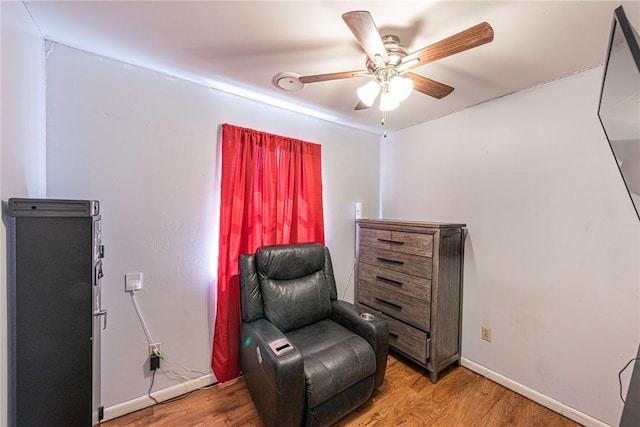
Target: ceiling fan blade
464,40
361,106
365,31
331,76
429,87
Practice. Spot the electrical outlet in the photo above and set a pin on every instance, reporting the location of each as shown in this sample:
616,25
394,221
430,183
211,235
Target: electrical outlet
486,333
153,347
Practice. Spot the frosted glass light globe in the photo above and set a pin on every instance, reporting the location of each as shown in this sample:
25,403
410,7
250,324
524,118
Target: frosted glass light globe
388,102
368,92
400,87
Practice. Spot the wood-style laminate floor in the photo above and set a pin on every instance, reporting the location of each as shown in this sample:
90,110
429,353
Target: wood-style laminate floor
460,398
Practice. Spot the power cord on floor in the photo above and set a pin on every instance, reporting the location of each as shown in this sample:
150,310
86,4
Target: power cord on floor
182,396
620,375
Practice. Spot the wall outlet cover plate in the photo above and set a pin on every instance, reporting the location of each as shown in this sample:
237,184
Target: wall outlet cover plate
133,282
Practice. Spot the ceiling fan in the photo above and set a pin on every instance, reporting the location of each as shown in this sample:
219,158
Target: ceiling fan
388,63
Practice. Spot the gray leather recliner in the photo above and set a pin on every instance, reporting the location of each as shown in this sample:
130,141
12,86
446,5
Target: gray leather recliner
307,358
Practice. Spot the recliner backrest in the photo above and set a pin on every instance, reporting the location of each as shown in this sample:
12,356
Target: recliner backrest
294,288
289,285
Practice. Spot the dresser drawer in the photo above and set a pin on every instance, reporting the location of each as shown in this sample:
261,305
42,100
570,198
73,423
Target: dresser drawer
399,241
404,307
412,243
413,286
404,263
411,341
375,238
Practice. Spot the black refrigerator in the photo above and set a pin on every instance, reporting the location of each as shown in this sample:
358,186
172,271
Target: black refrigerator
55,315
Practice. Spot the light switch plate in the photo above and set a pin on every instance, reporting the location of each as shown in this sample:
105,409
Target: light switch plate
133,282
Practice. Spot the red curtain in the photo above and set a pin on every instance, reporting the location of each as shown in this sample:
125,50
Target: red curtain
271,193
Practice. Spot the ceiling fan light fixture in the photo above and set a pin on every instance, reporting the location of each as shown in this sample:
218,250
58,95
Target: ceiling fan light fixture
400,87
387,61
368,92
388,102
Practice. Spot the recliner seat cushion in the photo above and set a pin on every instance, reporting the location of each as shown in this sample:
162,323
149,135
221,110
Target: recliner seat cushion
334,359
318,336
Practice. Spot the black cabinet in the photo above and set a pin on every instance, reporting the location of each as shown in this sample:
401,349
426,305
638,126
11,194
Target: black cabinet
55,314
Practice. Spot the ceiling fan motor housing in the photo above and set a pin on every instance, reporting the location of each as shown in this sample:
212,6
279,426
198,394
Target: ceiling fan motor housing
395,50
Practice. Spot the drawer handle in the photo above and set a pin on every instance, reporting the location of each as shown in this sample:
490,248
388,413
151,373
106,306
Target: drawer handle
390,261
390,304
393,335
393,242
389,281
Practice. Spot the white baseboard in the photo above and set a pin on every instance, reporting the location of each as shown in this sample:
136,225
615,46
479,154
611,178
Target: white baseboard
142,402
544,400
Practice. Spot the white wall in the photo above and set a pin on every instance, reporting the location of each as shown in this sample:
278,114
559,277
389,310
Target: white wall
23,100
22,143
145,145
552,255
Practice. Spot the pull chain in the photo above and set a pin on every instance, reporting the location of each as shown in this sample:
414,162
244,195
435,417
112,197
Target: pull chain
382,122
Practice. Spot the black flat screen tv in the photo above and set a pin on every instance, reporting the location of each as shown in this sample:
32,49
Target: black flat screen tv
619,113
619,109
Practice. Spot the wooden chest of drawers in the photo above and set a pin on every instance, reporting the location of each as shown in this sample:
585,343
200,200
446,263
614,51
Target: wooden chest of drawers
410,274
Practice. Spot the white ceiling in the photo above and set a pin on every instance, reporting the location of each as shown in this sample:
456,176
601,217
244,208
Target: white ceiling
238,46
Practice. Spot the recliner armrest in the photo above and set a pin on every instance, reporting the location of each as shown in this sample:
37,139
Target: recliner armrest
374,331
276,382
